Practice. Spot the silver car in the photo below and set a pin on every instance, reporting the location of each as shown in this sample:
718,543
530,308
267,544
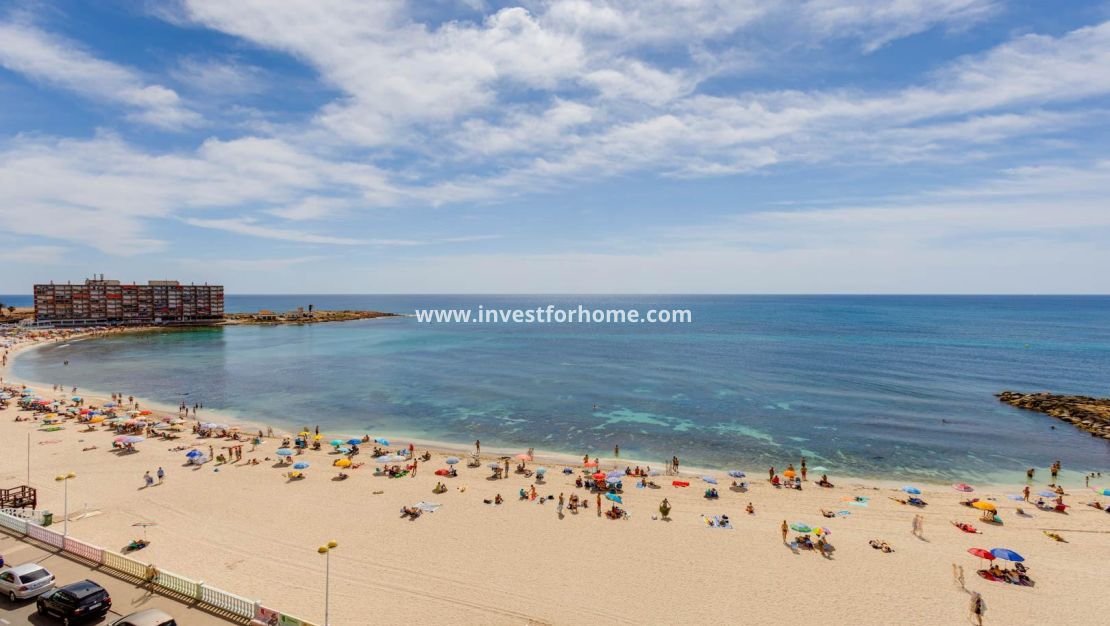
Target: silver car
149,617
25,581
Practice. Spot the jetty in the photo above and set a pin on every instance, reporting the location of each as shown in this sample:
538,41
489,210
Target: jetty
1083,412
301,316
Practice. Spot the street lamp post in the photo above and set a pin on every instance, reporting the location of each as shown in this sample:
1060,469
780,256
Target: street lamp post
64,479
326,551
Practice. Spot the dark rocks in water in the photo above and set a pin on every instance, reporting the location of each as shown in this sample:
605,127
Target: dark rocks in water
1083,412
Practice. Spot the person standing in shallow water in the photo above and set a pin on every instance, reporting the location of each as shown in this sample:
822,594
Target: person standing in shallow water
616,450
477,446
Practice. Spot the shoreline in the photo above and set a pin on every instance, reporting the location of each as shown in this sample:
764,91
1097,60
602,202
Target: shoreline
251,529
556,458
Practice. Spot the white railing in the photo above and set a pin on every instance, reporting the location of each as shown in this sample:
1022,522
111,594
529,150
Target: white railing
178,584
211,596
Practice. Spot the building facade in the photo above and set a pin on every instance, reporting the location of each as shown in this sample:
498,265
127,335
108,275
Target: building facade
108,302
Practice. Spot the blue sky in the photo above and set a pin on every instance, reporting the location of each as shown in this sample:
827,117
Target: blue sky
942,146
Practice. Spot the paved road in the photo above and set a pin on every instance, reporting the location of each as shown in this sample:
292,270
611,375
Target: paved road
126,597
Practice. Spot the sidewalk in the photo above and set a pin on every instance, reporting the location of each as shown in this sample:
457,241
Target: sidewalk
127,596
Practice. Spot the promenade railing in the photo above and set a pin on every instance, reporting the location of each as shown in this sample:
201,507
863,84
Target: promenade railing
218,600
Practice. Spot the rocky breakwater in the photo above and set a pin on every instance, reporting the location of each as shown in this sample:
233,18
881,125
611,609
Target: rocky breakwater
1086,413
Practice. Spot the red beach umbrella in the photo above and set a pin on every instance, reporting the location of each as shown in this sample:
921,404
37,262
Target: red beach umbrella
599,476
981,553
590,464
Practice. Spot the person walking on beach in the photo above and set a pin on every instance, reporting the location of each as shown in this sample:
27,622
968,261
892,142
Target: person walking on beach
977,608
559,507
148,479
599,504
803,468
477,446
771,473
918,523
958,575
1025,493
161,475
414,464
785,530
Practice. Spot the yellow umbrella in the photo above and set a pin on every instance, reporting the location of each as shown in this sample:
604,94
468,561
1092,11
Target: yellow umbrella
96,420
984,506
343,463
317,437
789,473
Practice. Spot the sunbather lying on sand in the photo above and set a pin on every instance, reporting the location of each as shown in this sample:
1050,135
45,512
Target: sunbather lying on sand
827,513
881,545
410,512
967,528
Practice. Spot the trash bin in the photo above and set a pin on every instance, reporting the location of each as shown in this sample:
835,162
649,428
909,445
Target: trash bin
47,518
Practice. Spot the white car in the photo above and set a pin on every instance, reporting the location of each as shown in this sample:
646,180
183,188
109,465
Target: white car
149,617
25,581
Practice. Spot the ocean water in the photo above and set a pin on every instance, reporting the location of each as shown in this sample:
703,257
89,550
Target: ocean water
898,386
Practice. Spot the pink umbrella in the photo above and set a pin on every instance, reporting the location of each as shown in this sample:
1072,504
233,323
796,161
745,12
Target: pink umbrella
120,439
962,487
523,457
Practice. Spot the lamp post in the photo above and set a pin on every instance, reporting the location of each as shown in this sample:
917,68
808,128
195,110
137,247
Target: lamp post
326,551
64,479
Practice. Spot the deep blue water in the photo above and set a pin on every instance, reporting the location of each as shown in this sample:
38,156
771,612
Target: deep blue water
864,385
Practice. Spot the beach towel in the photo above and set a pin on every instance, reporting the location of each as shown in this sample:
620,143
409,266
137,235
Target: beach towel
843,513
429,507
680,483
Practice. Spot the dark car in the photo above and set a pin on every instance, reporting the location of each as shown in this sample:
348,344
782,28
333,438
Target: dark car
76,602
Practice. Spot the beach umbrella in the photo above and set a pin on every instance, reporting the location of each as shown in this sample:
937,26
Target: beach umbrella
343,449
96,420
354,442
598,476
541,471
284,452
981,553
109,404
614,497
911,490
300,465
523,457
120,439
736,474
76,398
134,439
1009,555
385,458
963,487
384,442
984,506
614,474
612,480
1047,494
789,473
493,465
192,454
341,463
1106,492
144,412
84,411
336,442
590,464
451,460
800,527
317,437
821,530
709,479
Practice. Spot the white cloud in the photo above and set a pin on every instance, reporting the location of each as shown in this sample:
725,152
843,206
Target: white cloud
55,61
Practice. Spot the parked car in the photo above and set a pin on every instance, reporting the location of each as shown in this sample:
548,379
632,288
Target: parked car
75,602
25,581
149,617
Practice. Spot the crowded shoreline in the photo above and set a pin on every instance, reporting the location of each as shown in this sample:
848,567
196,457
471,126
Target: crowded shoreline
446,532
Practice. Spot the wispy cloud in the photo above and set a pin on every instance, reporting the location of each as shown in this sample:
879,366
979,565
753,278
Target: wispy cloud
56,61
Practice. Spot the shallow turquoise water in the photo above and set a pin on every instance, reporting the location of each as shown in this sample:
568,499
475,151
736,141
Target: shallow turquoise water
865,385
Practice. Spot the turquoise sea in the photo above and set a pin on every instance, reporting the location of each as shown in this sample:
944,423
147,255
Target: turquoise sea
865,385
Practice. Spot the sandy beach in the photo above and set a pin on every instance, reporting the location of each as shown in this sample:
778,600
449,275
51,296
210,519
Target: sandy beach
248,529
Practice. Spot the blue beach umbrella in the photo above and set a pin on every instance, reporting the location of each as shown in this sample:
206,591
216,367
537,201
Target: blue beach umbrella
541,470
1047,494
614,497
300,465
913,490
709,479
109,404
385,458
343,449
737,474
615,474
284,452
384,442
1009,555
336,442
612,480
354,442
192,454
451,460
493,465
134,439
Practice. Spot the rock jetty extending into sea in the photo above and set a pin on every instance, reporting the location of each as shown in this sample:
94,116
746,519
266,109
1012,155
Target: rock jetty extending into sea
1086,413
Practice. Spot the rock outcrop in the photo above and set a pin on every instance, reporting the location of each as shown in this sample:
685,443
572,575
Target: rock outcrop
1085,413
